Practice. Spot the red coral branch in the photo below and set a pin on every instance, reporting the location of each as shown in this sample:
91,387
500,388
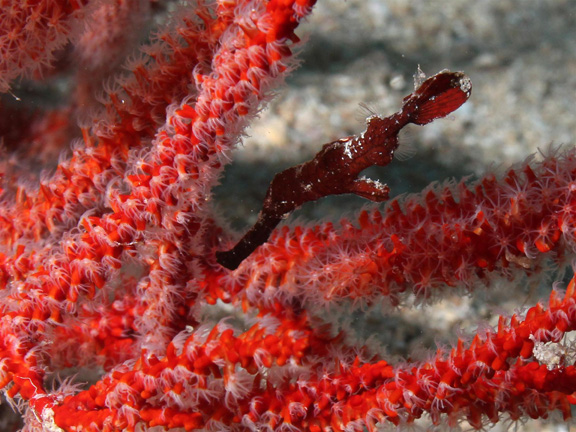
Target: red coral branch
278,375
451,235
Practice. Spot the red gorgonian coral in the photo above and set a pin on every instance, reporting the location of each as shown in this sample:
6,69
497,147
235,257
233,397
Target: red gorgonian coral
109,263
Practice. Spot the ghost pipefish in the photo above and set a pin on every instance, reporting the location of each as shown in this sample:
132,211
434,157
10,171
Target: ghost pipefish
336,167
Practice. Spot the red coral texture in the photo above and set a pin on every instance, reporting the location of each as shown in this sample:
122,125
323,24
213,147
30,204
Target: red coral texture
108,264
